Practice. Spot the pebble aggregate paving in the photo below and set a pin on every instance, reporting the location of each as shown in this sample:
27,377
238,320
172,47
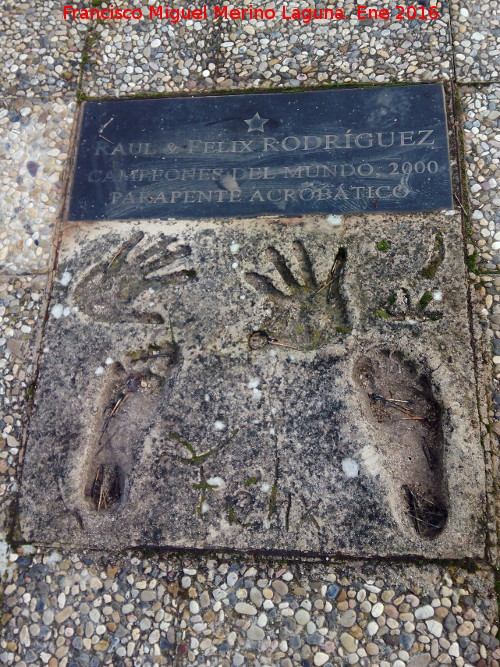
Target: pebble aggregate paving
482,156
150,56
34,144
476,40
81,609
289,53
20,302
40,53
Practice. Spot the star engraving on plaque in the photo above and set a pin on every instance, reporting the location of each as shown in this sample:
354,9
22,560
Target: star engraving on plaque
256,124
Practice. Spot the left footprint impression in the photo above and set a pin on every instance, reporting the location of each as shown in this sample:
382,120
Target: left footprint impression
121,289
129,406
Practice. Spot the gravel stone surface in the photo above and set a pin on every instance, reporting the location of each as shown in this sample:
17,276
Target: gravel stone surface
482,155
21,300
34,144
82,609
150,56
476,40
40,53
292,53
147,56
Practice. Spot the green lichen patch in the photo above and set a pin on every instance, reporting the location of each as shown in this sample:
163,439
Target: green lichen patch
272,500
383,314
425,300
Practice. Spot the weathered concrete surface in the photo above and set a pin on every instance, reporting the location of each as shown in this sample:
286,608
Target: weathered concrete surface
259,384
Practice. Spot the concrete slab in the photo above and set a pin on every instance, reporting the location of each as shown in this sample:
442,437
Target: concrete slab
271,385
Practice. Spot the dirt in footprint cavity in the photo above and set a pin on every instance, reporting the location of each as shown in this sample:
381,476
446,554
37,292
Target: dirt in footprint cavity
399,401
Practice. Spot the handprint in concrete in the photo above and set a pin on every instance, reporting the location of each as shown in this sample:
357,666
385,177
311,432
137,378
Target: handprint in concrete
407,305
119,288
416,300
305,313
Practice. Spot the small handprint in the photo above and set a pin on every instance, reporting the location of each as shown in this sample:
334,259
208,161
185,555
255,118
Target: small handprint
406,305
109,292
310,313
416,300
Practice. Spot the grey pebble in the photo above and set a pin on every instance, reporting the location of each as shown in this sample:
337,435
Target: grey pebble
347,618
316,639
406,640
450,623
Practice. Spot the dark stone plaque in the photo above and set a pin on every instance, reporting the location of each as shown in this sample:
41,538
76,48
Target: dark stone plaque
333,151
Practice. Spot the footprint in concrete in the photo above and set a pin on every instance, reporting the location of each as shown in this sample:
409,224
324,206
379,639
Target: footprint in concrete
398,400
108,293
307,313
128,407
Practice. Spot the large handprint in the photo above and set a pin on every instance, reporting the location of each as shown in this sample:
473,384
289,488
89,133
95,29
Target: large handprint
108,293
308,313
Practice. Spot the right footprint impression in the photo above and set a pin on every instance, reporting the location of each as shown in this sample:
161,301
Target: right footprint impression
399,402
